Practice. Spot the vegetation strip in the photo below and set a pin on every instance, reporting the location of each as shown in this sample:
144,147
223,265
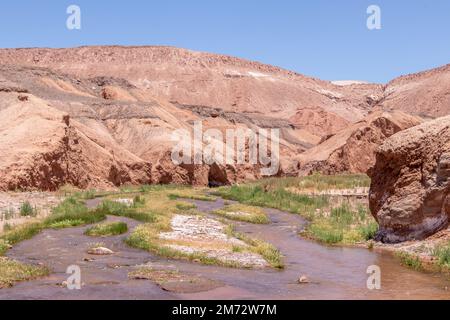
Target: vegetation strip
12,271
107,229
345,223
245,213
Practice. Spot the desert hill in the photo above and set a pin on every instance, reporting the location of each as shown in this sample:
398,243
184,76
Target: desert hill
104,116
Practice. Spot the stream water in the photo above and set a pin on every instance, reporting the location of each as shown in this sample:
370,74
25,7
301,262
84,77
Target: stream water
334,272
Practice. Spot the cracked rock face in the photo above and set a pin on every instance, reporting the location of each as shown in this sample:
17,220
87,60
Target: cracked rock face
411,182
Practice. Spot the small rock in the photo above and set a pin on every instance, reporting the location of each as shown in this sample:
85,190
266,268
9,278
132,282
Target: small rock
88,260
100,251
303,279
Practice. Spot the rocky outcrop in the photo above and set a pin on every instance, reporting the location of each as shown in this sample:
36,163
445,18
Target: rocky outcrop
352,150
410,192
42,148
319,122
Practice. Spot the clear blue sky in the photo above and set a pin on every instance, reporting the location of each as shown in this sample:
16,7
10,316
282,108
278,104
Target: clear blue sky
325,39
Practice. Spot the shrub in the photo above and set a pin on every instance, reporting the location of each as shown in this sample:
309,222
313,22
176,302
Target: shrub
72,212
442,253
410,260
26,210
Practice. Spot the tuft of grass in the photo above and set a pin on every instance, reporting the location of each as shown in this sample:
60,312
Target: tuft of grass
442,253
410,260
107,229
68,223
318,182
27,210
12,271
325,233
4,246
245,213
7,227
343,225
88,195
18,234
109,207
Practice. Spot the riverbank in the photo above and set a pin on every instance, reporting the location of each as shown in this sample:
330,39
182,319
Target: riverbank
142,222
336,208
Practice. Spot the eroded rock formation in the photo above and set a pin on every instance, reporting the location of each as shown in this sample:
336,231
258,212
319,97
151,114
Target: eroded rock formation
100,117
352,150
410,192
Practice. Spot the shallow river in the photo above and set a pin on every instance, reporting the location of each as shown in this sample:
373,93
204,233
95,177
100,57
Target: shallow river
334,273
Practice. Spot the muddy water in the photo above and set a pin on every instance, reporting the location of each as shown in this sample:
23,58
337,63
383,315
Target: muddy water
335,273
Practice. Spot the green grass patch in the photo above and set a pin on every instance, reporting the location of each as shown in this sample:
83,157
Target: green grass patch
18,234
317,182
67,223
190,193
69,213
442,253
107,229
72,212
12,271
278,198
27,210
410,260
271,254
182,206
7,214
343,224
88,195
138,213
4,246
241,212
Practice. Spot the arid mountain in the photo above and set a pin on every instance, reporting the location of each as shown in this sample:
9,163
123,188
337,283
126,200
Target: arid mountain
193,78
122,104
426,94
